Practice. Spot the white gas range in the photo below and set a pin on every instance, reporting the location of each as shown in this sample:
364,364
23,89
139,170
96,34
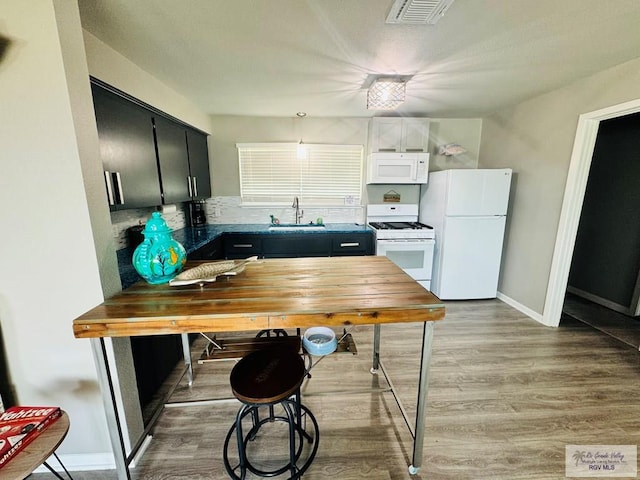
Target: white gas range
399,236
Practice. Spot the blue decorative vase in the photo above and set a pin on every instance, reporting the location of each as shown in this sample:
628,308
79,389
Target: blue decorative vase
159,257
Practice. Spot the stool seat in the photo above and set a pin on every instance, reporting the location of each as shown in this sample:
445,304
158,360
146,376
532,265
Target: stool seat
267,376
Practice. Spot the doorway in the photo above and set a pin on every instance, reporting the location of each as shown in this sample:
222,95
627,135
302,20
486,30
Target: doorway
603,283
606,255
579,167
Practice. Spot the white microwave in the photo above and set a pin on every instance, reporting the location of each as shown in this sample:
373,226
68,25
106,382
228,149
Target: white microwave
398,167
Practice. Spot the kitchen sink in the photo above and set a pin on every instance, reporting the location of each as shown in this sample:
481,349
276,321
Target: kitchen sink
283,227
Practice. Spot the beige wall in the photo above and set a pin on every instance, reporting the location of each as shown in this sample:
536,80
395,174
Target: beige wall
535,139
50,271
111,67
57,233
229,130
463,131
75,62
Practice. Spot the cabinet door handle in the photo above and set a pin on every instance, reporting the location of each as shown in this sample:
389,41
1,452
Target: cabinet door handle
242,245
189,184
195,187
119,185
350,244
107,181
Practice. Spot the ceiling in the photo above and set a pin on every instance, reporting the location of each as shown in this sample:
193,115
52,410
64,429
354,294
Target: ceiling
279,57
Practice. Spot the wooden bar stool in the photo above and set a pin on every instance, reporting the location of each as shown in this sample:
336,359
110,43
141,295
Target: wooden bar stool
268,379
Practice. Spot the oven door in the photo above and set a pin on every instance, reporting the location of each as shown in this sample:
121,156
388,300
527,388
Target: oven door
414,256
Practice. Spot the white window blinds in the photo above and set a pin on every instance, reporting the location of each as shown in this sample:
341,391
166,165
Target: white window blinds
318,174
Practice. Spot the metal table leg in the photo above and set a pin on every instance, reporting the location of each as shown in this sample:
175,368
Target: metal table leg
56,474
425,360
186,351
111,410
376,348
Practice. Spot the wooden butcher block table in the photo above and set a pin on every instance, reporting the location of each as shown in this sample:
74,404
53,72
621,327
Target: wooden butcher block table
269,294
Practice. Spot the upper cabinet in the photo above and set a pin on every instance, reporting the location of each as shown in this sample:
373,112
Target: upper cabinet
173,161
198,165
398,134
148,159
128,153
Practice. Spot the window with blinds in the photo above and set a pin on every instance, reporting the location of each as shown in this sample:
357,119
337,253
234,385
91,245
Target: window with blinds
318,174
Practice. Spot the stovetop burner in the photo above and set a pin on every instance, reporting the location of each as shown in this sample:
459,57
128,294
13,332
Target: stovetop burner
400,226
397,222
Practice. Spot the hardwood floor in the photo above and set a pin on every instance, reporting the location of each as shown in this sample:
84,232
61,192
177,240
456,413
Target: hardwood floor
506,395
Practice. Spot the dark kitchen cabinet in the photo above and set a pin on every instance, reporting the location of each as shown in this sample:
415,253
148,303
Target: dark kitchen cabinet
213,250
292,245
346,244
183,159
148,158
240,245
127,149
173,160
154,358
198,164
288,245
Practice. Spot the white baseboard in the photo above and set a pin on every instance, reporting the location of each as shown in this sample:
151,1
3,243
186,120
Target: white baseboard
521,308
80,462
141,450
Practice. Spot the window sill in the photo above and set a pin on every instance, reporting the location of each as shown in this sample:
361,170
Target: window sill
302,205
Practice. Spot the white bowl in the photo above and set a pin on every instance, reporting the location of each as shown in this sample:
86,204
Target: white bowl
320,341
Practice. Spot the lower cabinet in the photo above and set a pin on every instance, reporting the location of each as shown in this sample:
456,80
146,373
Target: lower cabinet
154,358
214,250
289,245
345,244
233,246
240,245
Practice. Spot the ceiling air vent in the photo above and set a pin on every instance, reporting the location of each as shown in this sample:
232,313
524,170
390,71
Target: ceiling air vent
418,11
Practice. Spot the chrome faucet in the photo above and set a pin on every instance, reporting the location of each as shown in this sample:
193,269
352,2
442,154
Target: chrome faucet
299,213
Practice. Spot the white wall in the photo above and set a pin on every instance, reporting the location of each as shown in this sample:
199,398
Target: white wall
49,271
535,139
229,130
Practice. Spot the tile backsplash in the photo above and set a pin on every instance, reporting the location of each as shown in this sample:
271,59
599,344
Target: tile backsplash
124,219
224,210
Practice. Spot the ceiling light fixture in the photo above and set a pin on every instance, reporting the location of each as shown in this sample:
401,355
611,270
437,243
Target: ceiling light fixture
301,148
386,93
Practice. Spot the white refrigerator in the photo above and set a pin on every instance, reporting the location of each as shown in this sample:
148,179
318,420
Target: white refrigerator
468,210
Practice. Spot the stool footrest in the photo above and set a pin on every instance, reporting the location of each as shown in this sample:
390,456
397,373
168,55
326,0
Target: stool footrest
297,436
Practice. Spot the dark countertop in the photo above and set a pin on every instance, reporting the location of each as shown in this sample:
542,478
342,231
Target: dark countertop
193,238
